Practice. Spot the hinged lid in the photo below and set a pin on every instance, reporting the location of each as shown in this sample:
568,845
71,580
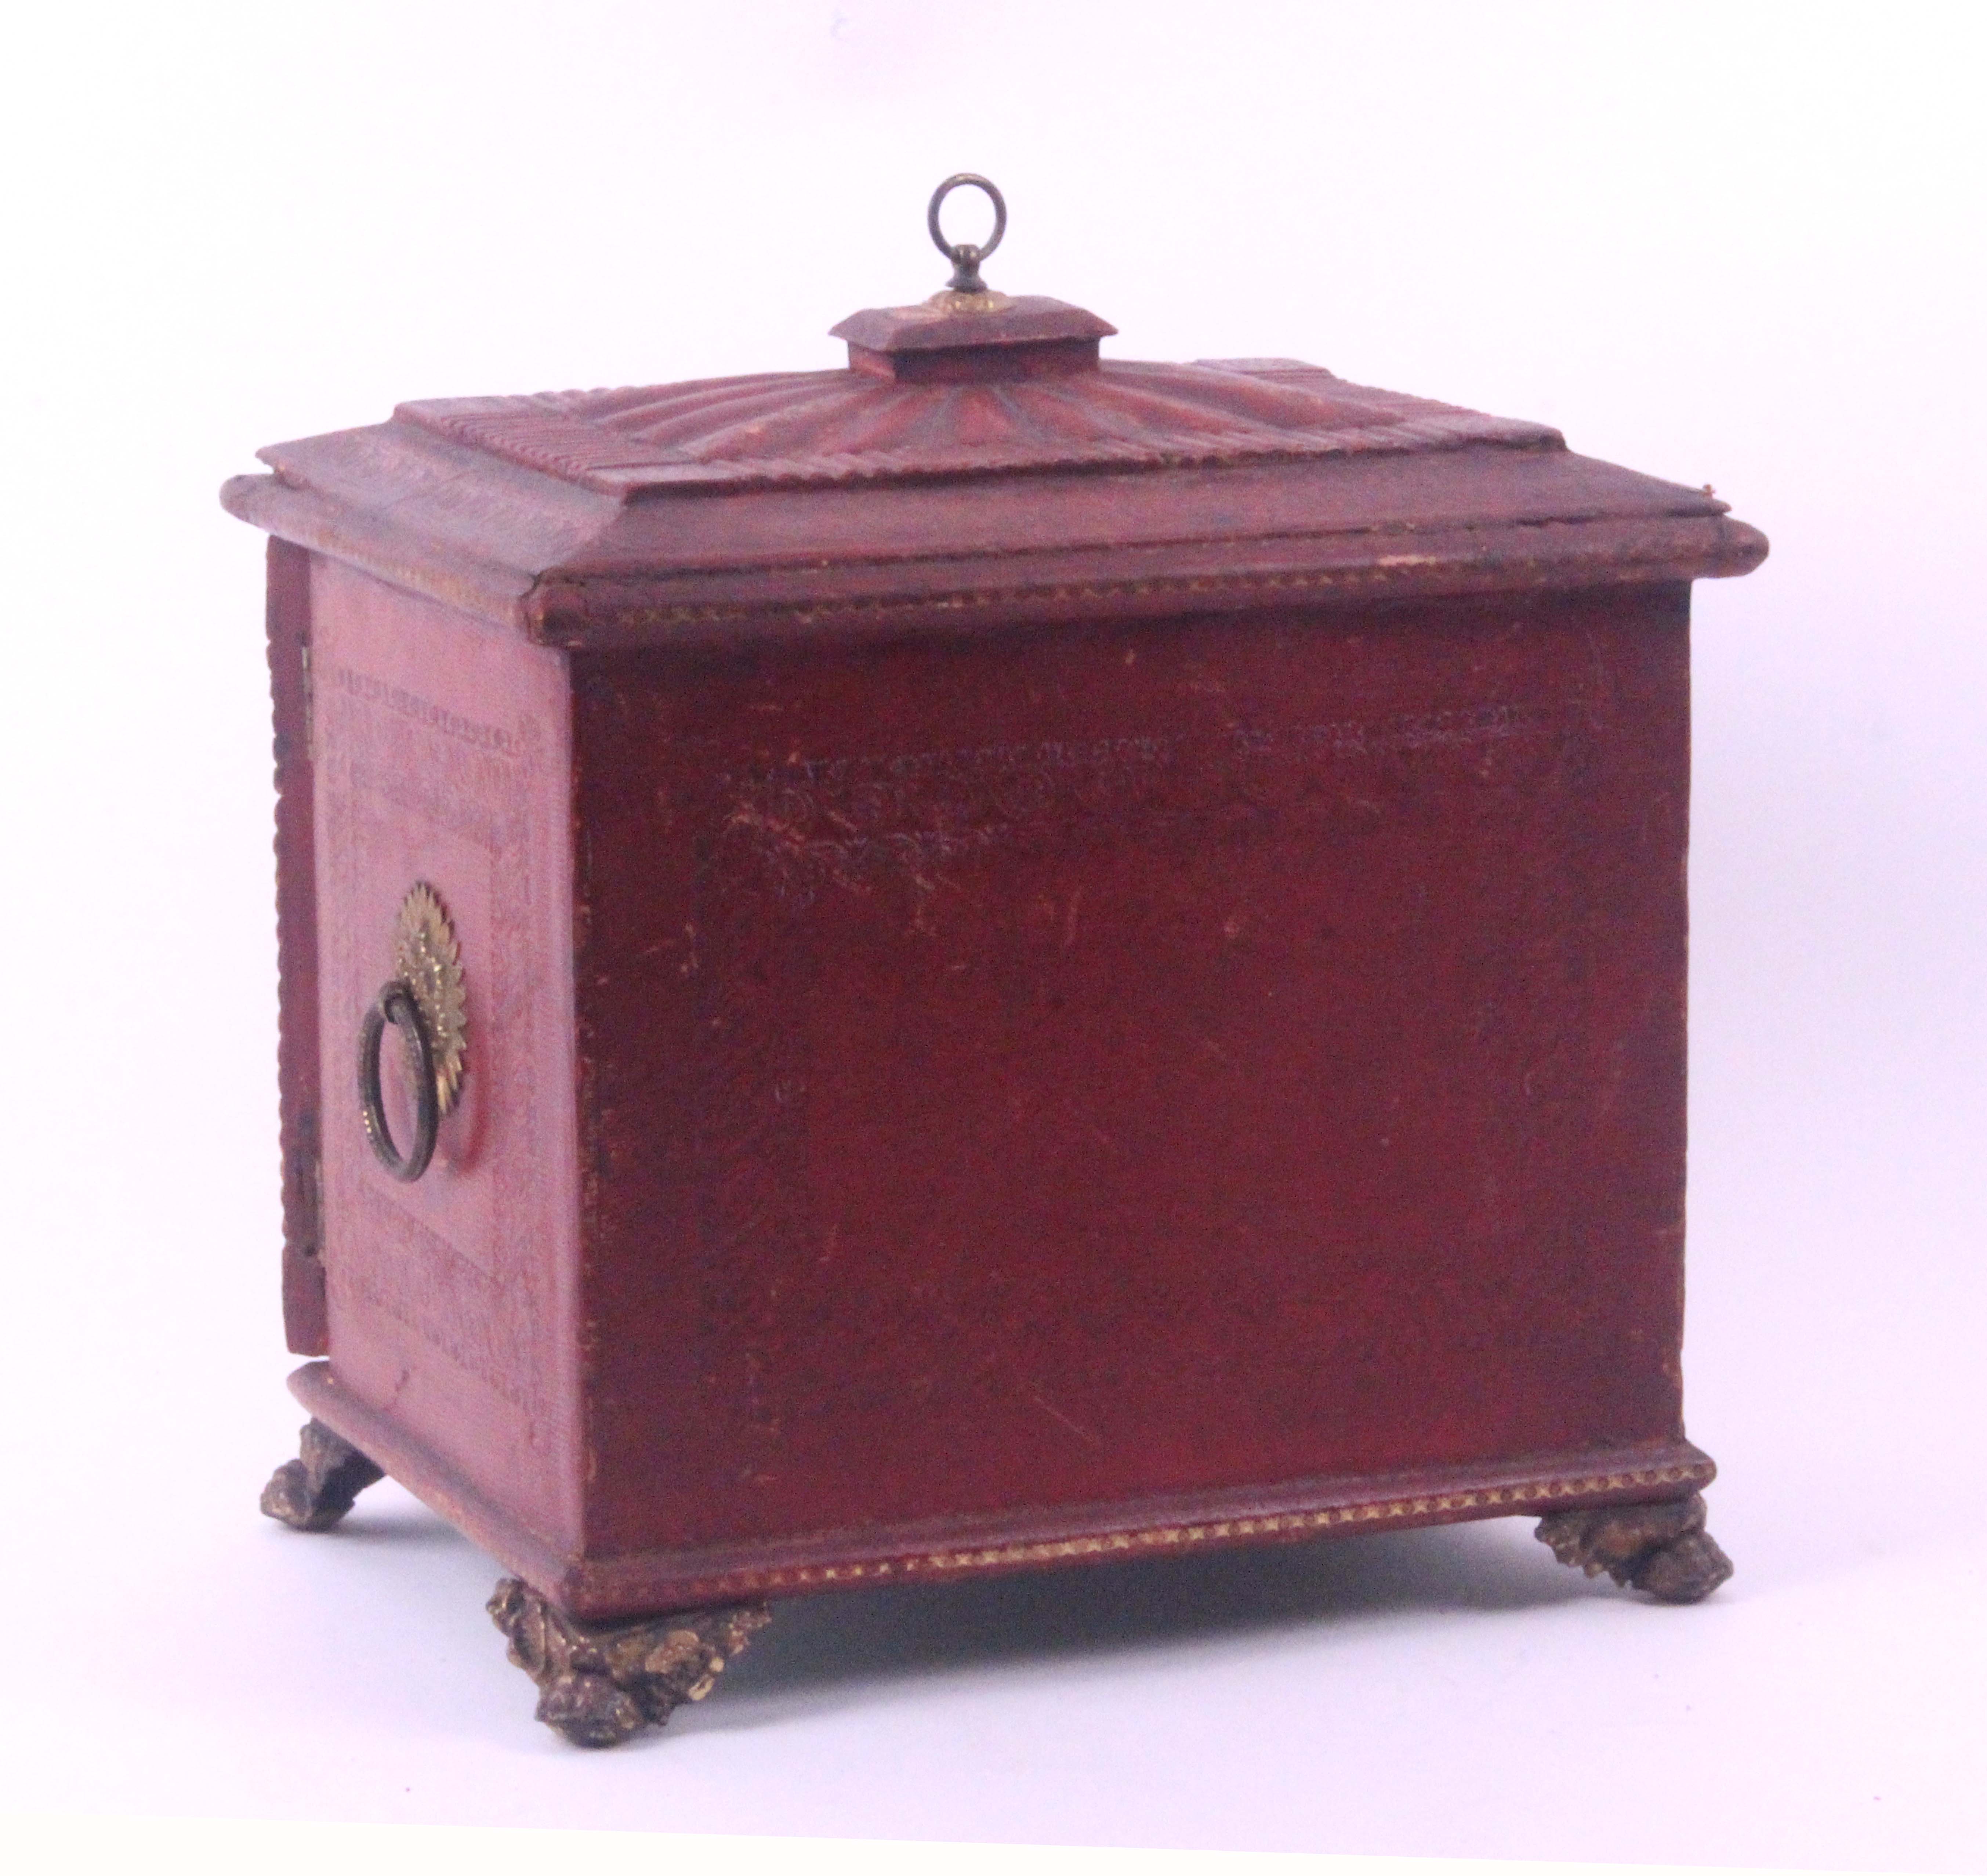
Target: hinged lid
977,460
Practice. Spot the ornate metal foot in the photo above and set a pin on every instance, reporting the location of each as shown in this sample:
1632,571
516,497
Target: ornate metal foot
313,1492
600,1683
1663,1549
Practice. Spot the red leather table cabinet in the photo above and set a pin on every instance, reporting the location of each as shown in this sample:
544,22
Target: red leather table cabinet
1019,960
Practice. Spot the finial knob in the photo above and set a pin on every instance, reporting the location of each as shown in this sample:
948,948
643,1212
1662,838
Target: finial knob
964,256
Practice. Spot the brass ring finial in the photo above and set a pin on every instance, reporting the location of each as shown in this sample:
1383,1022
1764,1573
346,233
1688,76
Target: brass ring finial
964,255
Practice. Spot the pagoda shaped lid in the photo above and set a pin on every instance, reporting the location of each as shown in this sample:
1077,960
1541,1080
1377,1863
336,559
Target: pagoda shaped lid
565,510
792,429
970,383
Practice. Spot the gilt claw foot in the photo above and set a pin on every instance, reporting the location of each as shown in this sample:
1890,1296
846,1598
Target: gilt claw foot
1662,1549
602,1683
314,1491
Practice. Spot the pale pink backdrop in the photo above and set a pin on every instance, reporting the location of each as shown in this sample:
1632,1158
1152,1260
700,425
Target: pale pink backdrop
1737,244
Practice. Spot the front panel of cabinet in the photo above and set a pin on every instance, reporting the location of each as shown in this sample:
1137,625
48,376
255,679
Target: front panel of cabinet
1119,1061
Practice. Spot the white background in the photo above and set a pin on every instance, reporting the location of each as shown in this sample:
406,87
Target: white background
1740,245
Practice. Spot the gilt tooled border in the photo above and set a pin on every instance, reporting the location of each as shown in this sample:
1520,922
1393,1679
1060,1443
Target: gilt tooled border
883,605
566,611
1523,1496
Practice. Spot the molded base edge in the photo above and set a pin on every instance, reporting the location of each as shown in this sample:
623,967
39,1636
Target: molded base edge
645,1582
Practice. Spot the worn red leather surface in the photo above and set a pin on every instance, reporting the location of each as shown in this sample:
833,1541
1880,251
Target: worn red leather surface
1061,955
443,757
1114,1061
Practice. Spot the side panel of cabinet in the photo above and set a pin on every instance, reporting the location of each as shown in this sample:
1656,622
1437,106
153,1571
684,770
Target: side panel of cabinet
443,758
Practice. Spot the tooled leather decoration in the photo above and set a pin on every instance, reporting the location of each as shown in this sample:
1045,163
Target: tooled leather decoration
830,426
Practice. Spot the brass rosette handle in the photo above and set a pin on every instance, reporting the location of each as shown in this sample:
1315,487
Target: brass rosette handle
424,1001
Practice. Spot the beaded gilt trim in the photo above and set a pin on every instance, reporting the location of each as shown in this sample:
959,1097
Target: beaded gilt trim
569,609
1525,1495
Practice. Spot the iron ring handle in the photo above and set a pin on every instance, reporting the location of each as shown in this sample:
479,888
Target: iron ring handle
964,256
396,1004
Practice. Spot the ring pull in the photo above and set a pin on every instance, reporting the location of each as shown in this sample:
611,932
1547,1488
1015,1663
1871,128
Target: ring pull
397,1004
963,255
